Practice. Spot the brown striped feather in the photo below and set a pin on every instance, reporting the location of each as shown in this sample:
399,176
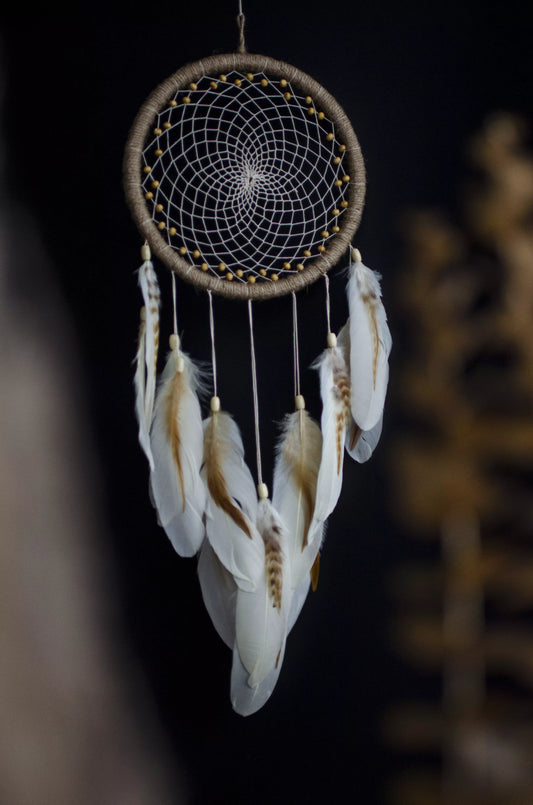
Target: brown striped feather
173,402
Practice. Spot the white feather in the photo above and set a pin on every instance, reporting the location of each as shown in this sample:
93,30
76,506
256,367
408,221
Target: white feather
359,444
219,592
370,346
146,359
178,492
262,620
294,489
231,506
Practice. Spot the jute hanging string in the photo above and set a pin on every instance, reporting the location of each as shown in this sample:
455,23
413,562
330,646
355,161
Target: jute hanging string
245,178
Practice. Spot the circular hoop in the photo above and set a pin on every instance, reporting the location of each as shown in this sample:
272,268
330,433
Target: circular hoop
315,265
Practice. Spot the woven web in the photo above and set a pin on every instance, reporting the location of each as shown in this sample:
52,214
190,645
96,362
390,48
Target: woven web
244,176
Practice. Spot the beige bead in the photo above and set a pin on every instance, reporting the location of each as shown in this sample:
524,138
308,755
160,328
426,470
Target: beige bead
215,404
356,255
223,77
287,265
335,211
159,208
166,125
262,491
148,196
157,132
299,402
238,82
182,250
145,255
344,203
264,82
307,253
337,160
263,272
335,229
173,103
338,183
251,279
172,231
193,86
158,152
161,225
283,82
155,184
309,99
229,276
239,272
147,169
196,254
213,84
321,115
287,96
346,178
322,248
332,340
274,277
250,76
300,266
221,267
174,342
330,136
311,111
324,233
186,99
204,266
342,149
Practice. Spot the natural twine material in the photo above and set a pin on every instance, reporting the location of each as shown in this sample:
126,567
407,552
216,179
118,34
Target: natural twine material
352,159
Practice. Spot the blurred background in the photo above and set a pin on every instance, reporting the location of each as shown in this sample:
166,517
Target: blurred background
408,676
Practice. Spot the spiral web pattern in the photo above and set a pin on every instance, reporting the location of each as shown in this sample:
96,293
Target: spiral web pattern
244,176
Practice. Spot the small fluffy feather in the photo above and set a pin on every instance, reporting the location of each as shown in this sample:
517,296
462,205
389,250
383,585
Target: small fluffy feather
370,346
146,358
177,489
231,505
296,471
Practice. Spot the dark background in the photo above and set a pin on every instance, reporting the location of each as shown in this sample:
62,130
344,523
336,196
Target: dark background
416,83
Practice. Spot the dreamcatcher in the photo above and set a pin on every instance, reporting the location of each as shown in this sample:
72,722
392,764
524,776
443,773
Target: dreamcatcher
246,179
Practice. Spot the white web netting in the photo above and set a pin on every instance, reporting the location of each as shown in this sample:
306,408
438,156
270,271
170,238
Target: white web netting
244,176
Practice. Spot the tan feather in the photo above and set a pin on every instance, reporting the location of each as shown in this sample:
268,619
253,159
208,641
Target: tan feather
343,389
214,474
172,409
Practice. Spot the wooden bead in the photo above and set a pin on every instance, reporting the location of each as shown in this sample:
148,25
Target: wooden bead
335,229
262,491
299,402
223,77
309,99
182,250
283,82
186,99
166,125
221,266
172,231
338,183
264,82
263,272
215,404
239,272
321,115
311,110
158,152
174,342
145,255
344,203
196,254
251,279
155,184
342,149
335,211
250,76
229,276
322,248
325,233
173,103
159,208
161,225
193,86
300,266
330,136
148,196
332,340
204,266
307,253
213,84
287,96
287,265
157,132
346,178
147,169
238,82
337,160
274,277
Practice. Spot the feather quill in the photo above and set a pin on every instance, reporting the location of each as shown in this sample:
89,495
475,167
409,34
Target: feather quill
295,487
262,618
177,489
146,358
370,345
231,505
359,444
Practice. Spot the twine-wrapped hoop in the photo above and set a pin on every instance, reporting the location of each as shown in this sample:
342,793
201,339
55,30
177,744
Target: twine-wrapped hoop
245,176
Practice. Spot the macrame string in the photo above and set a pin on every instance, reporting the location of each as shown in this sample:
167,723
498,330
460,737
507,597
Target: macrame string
328,303
255,396
213,353
240,22
174,304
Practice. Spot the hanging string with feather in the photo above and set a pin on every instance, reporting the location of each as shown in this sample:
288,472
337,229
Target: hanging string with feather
178,492
148,345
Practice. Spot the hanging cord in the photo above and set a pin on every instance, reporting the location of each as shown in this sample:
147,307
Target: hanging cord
328,304
261,487
240,22
295,346
174,304
213,353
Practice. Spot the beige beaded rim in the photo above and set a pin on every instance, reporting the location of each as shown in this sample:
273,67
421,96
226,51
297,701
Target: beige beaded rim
236,283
